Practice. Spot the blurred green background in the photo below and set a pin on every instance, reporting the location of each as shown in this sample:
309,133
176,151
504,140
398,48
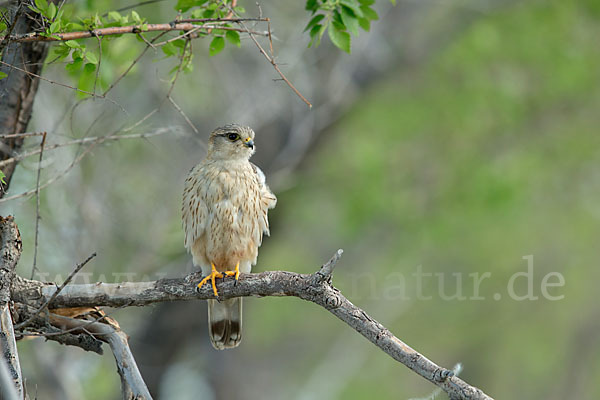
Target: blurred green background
470,142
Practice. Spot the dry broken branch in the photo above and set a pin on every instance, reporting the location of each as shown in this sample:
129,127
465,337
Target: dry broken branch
315,288
132,383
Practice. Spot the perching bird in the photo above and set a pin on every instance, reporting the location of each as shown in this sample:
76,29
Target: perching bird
225,204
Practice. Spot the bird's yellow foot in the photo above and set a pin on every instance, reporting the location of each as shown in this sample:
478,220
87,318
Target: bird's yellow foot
235,273
212,276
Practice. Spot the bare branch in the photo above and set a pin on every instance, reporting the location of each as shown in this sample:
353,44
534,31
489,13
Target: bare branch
315,288
56,177
270,58
60,84
37,205
132,383
91,139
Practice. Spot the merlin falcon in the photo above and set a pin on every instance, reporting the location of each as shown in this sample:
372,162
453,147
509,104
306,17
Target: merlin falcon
225,205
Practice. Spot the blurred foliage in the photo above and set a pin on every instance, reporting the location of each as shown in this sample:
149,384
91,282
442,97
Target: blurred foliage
488,154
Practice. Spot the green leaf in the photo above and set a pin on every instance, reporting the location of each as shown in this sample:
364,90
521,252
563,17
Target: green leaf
2,76
367,2
369,13
311,5
316,33
136,17
169,49
55,26
314,21
338,37
86,80
184,5
393,2
353,5
2,176
51,13
78,53
61,51
234,38
337,18
89,68
350,20
365,24
179,43
216,46
75,66
91,57
42,5
2,26
115,16
34,9
73,44
240,10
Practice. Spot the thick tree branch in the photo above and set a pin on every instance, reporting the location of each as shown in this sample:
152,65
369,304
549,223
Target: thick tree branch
17,91
315,288
7,389
10,252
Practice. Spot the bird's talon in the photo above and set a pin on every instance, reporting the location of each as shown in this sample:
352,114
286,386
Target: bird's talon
212,276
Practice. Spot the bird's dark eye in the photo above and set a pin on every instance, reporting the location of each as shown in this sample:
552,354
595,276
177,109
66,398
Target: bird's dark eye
233,136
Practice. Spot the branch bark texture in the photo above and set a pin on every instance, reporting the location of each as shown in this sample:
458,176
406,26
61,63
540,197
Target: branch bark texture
17,90
10,252
315,288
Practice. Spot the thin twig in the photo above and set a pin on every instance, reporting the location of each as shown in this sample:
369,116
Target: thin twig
37,206
21,135
90,139
99,62
63,331
185,117
61,84
271,59
55,178
60,288
131,65
140,4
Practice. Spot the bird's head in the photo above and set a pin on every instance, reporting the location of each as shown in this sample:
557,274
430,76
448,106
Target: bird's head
231,142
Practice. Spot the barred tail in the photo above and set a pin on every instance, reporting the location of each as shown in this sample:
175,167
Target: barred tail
225,323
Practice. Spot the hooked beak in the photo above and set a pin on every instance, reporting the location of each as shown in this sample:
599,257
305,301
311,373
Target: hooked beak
249,143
